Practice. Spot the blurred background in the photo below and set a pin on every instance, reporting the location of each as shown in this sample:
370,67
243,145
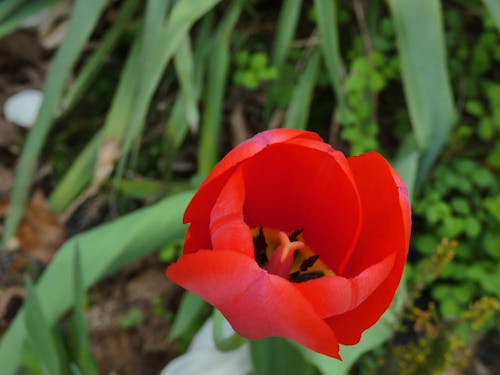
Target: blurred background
112,112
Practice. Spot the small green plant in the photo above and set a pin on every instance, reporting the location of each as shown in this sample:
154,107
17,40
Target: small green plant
252,69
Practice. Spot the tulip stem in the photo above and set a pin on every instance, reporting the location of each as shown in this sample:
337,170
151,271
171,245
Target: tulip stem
223,343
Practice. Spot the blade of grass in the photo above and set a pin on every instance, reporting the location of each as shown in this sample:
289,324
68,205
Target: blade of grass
149,38
81,171
99,56
41,341
83,19
216,85
287,23
177,122
425,76
300,105
103,250
184,66
326,16
493,7
83,354
15,16
180,20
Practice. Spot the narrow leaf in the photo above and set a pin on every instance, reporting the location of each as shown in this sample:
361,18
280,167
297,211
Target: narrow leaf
40,335
300,105
425,75
216,85
190,310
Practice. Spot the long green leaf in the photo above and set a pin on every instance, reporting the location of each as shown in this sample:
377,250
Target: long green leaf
94,63
180,20
298,110
494,8
287,23
425,75
81,171
276,355
185,68
216,86
150,43
84,17
103,250
179,117
82,352
40,337
326,15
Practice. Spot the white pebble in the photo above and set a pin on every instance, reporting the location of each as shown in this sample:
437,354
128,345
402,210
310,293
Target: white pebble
22,108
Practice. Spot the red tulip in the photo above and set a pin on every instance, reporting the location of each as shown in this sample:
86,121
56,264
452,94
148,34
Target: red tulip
289,238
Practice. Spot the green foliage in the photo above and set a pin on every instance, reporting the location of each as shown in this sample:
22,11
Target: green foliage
275,355
251,69
461,202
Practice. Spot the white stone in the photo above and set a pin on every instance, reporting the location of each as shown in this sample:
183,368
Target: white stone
203,357
22,108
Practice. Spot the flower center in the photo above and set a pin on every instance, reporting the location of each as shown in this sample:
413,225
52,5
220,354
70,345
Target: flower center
287,255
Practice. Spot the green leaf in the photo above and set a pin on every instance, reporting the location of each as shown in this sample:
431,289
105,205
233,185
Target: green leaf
104,250
276,355
326,14
81,341
216,85
190,310
287,23
94,63
300,105
425,75
40,337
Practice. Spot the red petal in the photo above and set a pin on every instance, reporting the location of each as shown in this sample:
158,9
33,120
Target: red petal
257,304
334,295
290,186
227,227
385,211
386,229
197,237
206,195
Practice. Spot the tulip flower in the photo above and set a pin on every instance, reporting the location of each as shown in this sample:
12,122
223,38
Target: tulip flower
288,237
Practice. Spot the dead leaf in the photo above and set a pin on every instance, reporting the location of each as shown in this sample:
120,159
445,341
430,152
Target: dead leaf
108,154
40,231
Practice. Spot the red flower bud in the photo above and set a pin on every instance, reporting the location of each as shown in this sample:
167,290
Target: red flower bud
289,238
